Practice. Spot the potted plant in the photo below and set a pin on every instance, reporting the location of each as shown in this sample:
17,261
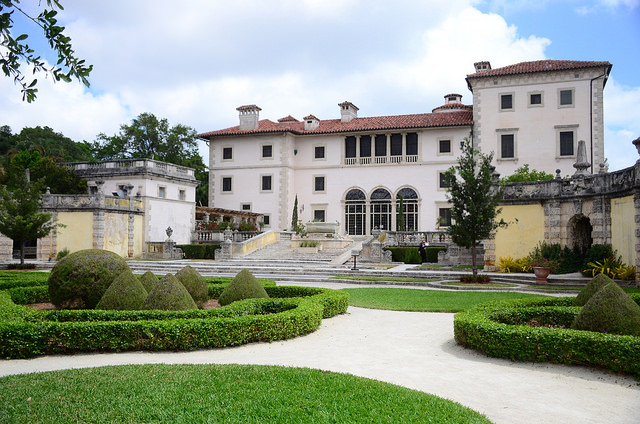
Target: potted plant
542,268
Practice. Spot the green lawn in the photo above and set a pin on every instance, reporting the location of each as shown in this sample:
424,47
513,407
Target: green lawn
397,279
459,284
401,299
217,394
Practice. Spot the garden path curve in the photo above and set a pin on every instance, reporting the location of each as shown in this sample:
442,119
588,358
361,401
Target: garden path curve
415,350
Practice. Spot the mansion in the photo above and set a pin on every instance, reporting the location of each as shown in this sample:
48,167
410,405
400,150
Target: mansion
354,170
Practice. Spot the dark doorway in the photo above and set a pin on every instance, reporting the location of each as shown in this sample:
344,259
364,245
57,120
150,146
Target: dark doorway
580,232
30,249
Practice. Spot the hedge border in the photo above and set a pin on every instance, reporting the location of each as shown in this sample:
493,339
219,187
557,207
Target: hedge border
488,328
25,333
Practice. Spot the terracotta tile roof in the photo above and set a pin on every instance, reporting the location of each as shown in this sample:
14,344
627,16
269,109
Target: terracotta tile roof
248,108
288,118
453,106
333,126
540,66
311,117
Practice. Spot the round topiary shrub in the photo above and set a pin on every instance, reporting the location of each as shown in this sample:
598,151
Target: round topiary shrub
243,286
195,285
596,283
149,281
169,295
80,279
126,293
610,310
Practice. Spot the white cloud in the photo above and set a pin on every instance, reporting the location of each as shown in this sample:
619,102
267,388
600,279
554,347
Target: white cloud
622,108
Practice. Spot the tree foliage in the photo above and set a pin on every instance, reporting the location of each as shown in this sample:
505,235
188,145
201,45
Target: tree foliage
148,137
294,215
20,216
14,51
50,173
524,174
474,198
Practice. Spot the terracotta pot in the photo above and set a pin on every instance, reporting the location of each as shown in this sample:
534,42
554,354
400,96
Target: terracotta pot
541,272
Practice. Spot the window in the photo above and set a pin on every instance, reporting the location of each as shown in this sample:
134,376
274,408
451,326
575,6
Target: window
265,184
226,184
182,195
318,152
444,217
507,146
380,216
410,205
245,206
506,102
365,146
318,184
381,145
566,143
319,215
535,99
350,147
396,144
162,192
267,151
443,180
355,212
267,220
444,146
412,144
227,153
566,97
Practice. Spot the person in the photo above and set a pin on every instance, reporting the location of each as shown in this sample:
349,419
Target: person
423,251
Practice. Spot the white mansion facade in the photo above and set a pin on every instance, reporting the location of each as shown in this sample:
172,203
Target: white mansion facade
354,170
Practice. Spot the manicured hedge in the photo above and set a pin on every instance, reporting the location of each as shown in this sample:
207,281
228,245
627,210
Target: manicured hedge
498,329
410,255
199,251
25,333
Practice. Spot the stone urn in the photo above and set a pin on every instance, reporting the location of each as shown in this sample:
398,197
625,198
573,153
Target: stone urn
541,273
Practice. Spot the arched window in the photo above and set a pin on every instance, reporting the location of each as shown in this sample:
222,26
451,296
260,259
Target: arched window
410,206
381,209
355,212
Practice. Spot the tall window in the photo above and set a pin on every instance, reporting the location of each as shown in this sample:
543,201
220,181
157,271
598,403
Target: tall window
566,143
410,205
355,212
350,147
319,215
444,217
381,145
266,183
318,184
566,97
396,144
507,146
226,184
318,152
365,146
443,180
381,209
412,144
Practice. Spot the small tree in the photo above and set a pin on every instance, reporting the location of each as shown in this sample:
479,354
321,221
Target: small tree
474,197
294,215
20,216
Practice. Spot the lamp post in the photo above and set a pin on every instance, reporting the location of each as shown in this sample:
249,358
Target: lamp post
355,254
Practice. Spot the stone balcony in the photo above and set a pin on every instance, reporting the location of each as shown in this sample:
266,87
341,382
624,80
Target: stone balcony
124,167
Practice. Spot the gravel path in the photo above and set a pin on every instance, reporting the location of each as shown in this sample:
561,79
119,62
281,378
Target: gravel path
415,350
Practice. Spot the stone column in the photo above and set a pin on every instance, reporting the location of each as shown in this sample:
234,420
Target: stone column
131,236
98,229
552,222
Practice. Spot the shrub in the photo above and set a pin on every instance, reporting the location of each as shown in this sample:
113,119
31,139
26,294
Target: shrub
587,292
497,330
149,281
169,295
199,251
607,266
410,255
21,266
243,286
195,285
611,311
596,253
80,279
126,293
61,254
508,264
478,279
309,243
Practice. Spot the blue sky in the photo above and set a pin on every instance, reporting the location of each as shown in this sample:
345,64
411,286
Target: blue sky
193,62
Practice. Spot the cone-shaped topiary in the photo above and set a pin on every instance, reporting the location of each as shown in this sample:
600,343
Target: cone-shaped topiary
169,295
610,310
596,283
149,281
243,286
126,293
80,279
195,285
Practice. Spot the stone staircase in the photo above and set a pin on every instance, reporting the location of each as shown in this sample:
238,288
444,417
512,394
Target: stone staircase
283,252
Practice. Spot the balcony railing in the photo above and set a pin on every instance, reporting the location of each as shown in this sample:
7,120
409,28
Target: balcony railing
381,160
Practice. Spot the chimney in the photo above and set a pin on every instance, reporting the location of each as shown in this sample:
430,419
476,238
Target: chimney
452,98
311,123
482,66
348,111
249,117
